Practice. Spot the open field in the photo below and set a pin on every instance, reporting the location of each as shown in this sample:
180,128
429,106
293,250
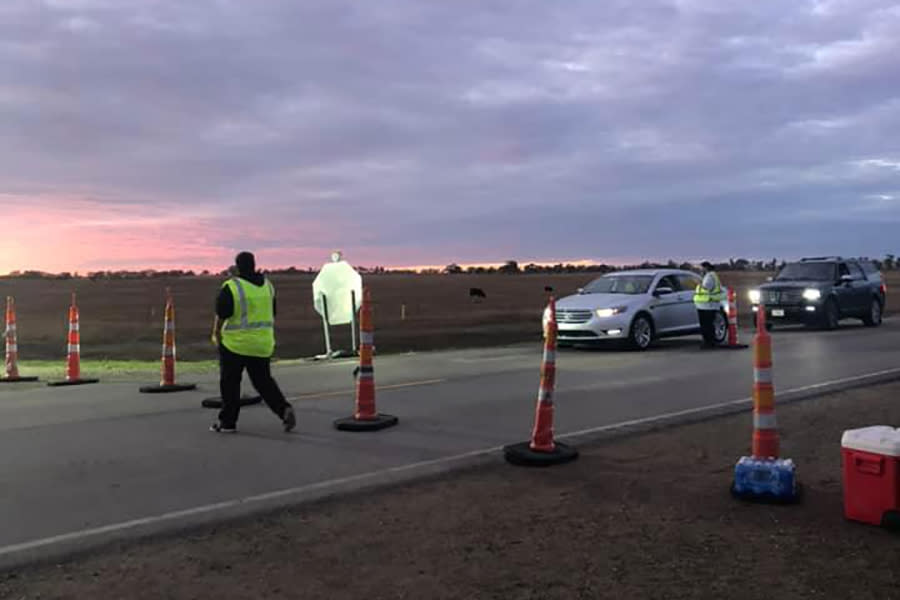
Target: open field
646,516
123,319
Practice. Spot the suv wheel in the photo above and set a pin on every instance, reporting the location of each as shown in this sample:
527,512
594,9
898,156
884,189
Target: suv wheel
720,328
830,315
641,334
873,319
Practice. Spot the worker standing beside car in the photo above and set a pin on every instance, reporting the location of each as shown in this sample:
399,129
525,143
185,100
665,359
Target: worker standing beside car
708,299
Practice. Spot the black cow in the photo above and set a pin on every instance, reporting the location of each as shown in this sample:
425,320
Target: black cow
475,293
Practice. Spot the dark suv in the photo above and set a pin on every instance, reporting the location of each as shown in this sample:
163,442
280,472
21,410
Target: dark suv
822,291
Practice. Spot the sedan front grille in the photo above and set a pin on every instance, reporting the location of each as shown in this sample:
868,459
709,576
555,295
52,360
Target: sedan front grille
572,316
577,333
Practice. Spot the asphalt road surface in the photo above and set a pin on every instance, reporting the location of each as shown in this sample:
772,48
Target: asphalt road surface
78,463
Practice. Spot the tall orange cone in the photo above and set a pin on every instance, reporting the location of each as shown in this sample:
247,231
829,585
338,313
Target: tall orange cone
365,417
167,383
73,361
763,475
733,343
765,431
12,346
542,450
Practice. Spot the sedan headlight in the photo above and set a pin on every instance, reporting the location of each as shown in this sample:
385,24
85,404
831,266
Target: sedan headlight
604,313
812,294
755,296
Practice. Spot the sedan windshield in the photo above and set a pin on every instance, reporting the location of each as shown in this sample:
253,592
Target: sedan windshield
807,272
620,284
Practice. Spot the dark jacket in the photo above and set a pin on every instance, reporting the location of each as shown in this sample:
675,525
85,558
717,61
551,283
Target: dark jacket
225,302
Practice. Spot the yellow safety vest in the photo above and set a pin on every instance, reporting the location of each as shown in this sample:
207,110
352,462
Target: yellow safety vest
250,330
709,299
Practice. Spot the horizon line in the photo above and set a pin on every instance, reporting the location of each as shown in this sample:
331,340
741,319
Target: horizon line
582,262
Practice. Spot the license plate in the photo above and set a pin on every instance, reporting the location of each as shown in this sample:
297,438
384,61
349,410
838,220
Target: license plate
777,312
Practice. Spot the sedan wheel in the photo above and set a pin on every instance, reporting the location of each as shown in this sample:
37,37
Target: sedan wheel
641,333
720,328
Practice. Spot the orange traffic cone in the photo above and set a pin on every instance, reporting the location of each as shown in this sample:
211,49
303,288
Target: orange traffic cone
73,362
765,431
12,346
366,418
733,343
764,476
167,383
542,450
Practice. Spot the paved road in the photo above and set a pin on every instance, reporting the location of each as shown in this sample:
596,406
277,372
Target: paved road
74,459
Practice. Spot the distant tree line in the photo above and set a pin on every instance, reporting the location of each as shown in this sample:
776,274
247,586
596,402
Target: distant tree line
888,263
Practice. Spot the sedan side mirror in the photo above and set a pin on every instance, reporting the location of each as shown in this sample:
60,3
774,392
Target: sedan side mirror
846,279
580,290
663,291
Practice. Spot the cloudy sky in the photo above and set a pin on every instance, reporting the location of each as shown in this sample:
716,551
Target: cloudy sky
170,133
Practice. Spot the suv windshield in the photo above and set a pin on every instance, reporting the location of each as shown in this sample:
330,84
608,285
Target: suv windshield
620,284
823,271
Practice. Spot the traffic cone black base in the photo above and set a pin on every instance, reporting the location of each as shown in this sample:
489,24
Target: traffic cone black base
168,389
72,382
523,456
217,401
353,424
17,379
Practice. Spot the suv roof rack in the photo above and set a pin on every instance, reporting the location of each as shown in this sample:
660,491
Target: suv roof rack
821,258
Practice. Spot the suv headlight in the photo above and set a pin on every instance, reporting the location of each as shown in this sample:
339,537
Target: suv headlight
812,294
755,296
603,313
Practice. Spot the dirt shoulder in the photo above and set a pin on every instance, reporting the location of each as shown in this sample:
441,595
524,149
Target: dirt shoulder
643,517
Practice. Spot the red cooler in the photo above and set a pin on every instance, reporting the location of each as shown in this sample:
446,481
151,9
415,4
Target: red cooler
871,460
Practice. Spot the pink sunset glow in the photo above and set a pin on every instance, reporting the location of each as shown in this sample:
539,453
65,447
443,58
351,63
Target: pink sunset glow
69,234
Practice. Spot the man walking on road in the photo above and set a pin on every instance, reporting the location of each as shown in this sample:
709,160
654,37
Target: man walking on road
708,299
244,332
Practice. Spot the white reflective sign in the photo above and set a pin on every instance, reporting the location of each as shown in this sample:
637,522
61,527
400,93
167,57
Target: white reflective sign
336,281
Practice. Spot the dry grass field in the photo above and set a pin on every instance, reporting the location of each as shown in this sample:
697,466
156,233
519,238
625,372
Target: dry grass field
123,319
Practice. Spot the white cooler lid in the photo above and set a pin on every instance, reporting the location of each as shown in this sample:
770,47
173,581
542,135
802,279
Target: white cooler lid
878,439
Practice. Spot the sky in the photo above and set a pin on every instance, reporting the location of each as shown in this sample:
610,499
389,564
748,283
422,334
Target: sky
172,134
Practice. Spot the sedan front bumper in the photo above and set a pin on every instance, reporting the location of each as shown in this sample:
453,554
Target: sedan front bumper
595,330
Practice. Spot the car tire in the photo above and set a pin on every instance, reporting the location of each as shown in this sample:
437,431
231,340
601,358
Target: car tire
641,334
720,328
873,319
831,316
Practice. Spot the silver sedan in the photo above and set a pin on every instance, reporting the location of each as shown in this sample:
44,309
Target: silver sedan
637,307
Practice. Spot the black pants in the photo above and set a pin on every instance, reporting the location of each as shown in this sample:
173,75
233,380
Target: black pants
707,326
231,369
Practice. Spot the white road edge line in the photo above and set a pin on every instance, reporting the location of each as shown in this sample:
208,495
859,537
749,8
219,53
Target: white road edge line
700,409
322,485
